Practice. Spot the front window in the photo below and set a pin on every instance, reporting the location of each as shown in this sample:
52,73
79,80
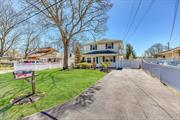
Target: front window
109,45
93,47
89,60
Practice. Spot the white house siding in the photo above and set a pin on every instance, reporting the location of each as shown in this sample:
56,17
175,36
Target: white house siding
106,53
101,47
86,48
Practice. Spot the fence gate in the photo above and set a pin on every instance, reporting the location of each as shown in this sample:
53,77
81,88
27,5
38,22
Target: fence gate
128,64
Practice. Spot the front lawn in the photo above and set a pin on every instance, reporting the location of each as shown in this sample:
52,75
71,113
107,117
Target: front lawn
59,87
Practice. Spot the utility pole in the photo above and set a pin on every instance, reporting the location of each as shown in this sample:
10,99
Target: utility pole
168,45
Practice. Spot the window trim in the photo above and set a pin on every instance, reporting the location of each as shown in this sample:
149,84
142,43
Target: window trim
110,45
93,47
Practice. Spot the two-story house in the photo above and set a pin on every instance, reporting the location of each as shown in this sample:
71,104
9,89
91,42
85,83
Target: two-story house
104,50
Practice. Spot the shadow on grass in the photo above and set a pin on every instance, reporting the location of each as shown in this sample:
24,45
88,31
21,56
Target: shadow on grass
7,107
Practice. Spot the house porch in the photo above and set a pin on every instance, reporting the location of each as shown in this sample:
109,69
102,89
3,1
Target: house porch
98,59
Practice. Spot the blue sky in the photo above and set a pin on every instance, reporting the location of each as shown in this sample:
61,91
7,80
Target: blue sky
155,27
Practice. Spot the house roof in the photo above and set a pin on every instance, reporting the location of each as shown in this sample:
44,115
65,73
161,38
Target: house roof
101,52
42,52
171,50
105,41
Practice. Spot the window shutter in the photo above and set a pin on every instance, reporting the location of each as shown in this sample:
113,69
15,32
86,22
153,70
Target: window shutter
96,47
106,45
114,58
90,47
96,60
103,58
112,45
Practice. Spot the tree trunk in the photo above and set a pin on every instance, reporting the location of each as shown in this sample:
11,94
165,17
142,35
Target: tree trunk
25,56
1,54
65,63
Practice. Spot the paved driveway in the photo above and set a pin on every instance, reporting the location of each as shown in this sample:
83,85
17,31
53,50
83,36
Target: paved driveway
125,95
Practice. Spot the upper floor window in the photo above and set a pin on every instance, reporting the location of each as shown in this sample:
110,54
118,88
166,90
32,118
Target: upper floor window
93,47
109,45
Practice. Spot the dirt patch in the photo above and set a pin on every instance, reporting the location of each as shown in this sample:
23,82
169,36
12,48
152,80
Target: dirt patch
27,99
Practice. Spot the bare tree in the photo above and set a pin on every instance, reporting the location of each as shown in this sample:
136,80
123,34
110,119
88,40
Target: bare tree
154,49
8,32
73,17
30,41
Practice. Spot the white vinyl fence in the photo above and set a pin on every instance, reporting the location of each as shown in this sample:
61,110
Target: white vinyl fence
36,67
135,64
169,75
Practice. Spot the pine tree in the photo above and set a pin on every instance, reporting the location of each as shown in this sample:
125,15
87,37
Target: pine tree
130,53
77,55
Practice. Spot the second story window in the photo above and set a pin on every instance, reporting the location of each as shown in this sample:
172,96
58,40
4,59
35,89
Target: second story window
93,47
109,45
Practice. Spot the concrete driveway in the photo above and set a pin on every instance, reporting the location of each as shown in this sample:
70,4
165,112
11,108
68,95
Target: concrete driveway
125,95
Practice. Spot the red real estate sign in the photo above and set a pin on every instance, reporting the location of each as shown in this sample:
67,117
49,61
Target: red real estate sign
20,74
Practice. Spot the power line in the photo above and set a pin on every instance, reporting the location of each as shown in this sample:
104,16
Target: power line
139,5
142,18
129,18
174,18
25,9
35,14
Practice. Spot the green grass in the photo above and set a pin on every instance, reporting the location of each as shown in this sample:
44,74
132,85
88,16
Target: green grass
59,87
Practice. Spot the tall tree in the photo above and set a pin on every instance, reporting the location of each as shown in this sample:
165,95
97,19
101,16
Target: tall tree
77,54
130,53
73,17
8,32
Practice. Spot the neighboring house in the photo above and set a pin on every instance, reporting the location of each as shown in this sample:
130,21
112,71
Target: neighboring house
104,50
5,59
46,54
169,54
11,55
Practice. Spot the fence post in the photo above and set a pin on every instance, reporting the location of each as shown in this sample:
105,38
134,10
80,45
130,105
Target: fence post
150,69
178,76
14,65
159,72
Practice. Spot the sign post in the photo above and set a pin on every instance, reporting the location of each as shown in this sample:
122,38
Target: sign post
33,83
21,74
